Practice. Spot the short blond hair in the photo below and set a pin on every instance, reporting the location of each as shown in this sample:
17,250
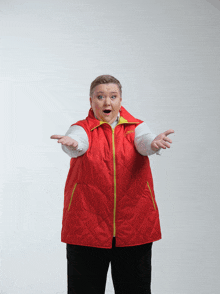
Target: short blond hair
104,79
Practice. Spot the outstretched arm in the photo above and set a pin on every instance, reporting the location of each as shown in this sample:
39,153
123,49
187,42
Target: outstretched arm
148,143
75,142
143,139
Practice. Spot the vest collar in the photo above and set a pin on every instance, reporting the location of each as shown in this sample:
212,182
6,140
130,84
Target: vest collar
125,118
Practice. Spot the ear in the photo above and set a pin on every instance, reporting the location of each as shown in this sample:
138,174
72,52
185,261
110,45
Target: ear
90,101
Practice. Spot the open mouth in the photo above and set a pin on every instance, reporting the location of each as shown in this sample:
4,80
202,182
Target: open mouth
107,111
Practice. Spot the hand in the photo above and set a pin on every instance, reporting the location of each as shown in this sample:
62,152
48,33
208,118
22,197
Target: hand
161,141
65,140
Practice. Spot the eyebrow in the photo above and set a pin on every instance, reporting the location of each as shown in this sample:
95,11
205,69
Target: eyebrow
110,92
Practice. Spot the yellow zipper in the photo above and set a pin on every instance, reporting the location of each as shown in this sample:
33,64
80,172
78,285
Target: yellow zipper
151,195
72,196
121,121
114,166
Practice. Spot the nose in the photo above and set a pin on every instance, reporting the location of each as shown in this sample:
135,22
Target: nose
107,101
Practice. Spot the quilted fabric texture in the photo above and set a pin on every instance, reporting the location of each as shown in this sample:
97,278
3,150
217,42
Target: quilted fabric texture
109,190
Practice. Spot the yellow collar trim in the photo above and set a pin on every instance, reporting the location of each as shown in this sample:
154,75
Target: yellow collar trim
122,120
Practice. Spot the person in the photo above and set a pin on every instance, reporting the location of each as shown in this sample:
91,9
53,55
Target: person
110,212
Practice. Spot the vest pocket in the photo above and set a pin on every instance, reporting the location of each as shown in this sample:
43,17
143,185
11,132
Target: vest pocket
72,196
151,196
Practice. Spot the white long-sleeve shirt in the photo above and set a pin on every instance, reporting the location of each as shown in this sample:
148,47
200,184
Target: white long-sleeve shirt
142,141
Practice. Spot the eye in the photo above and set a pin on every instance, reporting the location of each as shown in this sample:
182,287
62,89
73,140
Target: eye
114,96
100,97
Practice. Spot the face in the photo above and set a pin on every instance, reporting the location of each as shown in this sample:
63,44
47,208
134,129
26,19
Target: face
106,102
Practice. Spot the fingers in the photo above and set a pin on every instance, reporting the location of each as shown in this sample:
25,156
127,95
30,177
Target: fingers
162,143
166,139
167,144
56,137
168,132
157,145
65,140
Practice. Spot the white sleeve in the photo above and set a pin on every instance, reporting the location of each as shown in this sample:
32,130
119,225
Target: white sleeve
143,140
79,134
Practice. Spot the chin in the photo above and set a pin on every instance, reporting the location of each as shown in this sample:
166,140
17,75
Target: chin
110,120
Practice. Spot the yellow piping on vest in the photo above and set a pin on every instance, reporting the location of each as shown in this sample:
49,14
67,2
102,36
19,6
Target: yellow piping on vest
72,196
151,195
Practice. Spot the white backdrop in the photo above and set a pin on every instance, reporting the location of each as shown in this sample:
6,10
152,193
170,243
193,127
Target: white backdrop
166,54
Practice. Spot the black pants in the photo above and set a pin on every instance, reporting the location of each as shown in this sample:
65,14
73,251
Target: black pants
88,267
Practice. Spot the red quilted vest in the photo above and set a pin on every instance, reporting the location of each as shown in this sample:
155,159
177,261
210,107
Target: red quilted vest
109,189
